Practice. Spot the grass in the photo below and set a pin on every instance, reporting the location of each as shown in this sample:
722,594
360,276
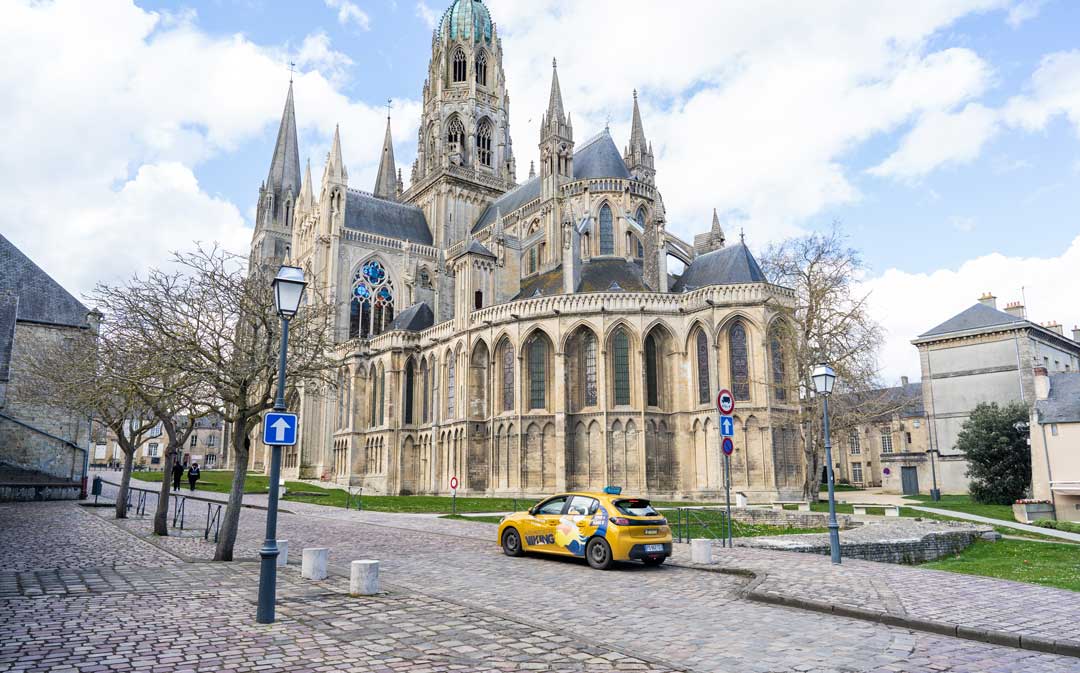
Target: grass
217,481
964,503
839,487
1049,564
494,518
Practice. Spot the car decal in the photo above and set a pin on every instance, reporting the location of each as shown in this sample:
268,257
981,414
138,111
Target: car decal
569,536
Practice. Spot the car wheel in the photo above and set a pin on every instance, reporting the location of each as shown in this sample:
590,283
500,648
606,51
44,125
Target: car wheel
511,543
654,560
598,553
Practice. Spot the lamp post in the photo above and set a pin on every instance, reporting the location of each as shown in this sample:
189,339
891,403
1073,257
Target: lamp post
935,492
824,378
288,288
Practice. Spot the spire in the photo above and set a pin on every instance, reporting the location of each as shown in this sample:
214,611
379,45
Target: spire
532,169
304,201
555,107
285,164
639,155
386,182
335,165
637,131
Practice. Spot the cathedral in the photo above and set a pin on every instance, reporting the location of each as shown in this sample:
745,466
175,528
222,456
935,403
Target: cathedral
524,338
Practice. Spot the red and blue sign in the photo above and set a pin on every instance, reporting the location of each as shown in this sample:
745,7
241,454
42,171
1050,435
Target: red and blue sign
728,446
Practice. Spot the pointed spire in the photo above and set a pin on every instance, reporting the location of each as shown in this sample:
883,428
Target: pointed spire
532,169
637,130
555,105
335,165
285,164
717,233
639,154
386,182
304,201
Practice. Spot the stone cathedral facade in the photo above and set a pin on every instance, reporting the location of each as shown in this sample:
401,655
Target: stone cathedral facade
525,337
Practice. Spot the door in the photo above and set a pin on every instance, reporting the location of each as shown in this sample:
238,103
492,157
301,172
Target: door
909,479
540,535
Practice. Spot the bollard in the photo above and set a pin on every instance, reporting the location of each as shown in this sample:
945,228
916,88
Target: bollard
701,551
283,553
313,566
363,578
741,500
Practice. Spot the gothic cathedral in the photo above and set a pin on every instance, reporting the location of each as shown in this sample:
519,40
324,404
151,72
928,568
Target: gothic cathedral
525,338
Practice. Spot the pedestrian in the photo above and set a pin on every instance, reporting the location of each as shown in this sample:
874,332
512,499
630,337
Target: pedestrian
193,475
177,472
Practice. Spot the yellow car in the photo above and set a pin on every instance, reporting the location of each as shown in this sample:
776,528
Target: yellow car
601,527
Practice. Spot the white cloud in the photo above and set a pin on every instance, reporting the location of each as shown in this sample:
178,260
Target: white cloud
1054,90
962,223
316,53
940,138
426,14
349,12
1024,10
908,304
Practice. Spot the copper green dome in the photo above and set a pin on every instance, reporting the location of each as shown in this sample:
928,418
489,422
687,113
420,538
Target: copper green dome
467,19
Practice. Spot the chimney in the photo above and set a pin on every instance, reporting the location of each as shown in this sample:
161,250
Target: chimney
1076,333
1055,326
1015,309
988,299
1042,383
903,381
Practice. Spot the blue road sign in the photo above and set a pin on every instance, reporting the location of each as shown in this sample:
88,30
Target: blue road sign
279,429
727,426
728,446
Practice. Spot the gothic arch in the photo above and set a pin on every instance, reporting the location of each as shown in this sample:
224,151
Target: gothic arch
485,142
479,362
573,327
373,297
506,366
659,371
482,67
459,65
582,350
620,322
538,357
621,356
605,228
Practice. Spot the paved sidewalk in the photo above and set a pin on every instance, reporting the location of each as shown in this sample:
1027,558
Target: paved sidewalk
1049,532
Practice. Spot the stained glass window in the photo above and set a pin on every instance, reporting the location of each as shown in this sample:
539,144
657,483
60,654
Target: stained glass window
703,368
588,353
607,231
450,386
507,376
777,352
640,216
740,366
459,65
651,372
483,143
620,346
410,381
537,351
372,308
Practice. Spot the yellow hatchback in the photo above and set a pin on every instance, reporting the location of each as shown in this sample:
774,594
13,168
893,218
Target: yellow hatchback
601,527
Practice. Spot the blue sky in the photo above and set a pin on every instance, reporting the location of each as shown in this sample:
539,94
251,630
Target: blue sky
944,136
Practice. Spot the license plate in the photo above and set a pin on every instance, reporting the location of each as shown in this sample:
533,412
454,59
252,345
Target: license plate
654,547
651,531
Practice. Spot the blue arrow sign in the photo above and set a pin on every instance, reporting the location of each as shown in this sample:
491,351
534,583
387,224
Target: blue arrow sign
727,426
279,429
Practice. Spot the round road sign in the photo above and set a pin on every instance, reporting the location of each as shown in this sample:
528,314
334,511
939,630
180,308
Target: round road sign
728,446
453,483
725,401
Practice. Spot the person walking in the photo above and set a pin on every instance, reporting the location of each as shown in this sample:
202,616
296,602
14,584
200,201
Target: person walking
177,472
193,475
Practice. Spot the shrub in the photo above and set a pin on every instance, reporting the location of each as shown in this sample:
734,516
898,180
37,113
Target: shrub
994,439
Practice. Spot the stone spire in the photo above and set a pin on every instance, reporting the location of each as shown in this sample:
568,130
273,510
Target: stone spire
555,111
285,163
306,199
532,169
713,239
637,129
274,215
639,156
386,182
556,141
335,166
717,232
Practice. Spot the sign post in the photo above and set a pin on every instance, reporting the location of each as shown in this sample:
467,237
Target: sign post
453,494
725,405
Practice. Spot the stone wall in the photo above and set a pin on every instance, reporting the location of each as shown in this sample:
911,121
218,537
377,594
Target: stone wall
785,517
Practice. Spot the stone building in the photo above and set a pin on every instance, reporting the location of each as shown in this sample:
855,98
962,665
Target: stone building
1055,442
528,337
206,446
38,442
983,354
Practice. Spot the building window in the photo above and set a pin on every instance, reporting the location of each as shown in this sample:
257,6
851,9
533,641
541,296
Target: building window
483,143
382,396
640,216
640,250
620,346
410,381
886,440
211,440
1053,430
740,368
856,472
425,383
481,68
478,300
372,308
607,231
917,423
194,440
853,443
537,351
652,386
776,352
455,134
907,437
588,365
532,260
450,386
374,393
152,450
703,368
459,65
508,376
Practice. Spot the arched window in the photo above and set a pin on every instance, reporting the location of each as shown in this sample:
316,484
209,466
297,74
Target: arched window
424,279
455,133
425,383
532,260
507,376
537,355
478,300
652,373
481,68
620,366
459,65
451,385
739,363
640,216
588,367
372,307
703,368
640,250
382,395
607,231
776,354
483,143
410,382
373,393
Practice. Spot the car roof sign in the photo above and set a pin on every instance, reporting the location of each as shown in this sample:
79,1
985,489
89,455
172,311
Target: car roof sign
613,490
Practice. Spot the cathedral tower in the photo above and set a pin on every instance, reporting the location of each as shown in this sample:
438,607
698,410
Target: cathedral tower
556,141
464,155
273,220
639,155
387,185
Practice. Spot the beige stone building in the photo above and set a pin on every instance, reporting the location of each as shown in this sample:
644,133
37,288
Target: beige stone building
525,337
1055,442
206,446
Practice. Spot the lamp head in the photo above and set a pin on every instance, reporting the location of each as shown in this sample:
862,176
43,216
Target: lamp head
824,378
288,287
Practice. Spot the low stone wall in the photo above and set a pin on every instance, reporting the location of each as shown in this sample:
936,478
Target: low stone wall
786,517
31,492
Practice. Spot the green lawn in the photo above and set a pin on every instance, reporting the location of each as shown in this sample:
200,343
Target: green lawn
1055,565
218,481
494,518
839,487
964,503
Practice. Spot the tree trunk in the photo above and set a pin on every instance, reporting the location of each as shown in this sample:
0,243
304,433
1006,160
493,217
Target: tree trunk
125,482
231,521
161,513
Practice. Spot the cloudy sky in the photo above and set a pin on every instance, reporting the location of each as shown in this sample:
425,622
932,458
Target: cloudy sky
944,135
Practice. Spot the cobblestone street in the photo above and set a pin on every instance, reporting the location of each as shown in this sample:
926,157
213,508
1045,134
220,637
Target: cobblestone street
81,592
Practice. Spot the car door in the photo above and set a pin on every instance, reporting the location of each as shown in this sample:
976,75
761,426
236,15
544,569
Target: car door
576,525
542,524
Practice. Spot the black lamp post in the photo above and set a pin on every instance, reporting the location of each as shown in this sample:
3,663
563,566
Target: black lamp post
288,287
824,378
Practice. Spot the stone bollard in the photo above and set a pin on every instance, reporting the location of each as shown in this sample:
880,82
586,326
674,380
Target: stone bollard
363,578
701,551
283,553
314,563
741,500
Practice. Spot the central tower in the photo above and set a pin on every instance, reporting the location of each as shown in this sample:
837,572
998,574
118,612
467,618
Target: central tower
464,156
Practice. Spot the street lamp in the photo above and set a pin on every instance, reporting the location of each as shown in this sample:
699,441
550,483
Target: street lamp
288,288
824,378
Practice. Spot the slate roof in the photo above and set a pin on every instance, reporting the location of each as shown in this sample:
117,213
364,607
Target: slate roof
284,173
977,316
904,400
364,212
478,248
597,157
597,275
413,319
41,299
724,266
1063,403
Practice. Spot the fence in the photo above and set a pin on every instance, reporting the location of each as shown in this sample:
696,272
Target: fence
699,522
141,499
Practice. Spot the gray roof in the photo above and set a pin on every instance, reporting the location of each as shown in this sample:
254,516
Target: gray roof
724,266
478,248
413,319
1063,403
285,164
597,275
41,299
978,316
385,218
597,157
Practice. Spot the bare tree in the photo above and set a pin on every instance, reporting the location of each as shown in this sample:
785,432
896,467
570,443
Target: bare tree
831,324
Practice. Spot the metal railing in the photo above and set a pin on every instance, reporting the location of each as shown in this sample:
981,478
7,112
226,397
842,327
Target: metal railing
698,522
140,498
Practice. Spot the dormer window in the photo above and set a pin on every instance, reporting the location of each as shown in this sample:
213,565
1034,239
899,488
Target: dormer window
459,65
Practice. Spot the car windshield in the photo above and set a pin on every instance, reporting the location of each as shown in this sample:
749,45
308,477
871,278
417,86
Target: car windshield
635,507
